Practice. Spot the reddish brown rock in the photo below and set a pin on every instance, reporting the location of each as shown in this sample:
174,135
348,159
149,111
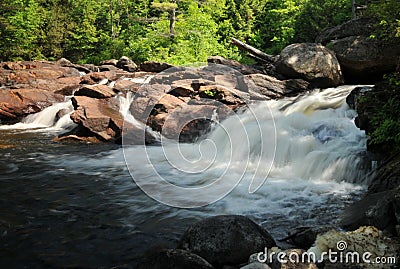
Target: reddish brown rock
273,88
100,120
93,78
100,116
182,88
69,80
67,90
188,122
221,94
112,62
95,91
126,85
18,103
244,69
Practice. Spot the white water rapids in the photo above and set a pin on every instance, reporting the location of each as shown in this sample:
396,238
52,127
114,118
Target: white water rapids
47,120
318,152
318,164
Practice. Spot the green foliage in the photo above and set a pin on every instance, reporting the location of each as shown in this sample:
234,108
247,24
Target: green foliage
283,22
20,29
93,30
210,93
195,39
388,15
385,123
315,15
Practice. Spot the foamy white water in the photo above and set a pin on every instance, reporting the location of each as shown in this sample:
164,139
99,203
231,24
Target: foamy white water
299,148
46,120
305,149
313,167
124,106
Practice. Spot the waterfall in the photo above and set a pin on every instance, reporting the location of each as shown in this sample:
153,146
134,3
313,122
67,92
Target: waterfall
124,106
295,145
316,138
53,118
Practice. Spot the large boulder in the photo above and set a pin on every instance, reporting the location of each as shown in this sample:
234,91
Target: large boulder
365,59
100,116
311,62
226,240
362,58
172,259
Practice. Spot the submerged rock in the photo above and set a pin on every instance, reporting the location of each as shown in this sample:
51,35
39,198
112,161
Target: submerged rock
311,62
304,237
226,240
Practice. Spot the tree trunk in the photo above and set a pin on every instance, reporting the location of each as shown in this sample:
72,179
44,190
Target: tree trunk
255,52
112,20
172,20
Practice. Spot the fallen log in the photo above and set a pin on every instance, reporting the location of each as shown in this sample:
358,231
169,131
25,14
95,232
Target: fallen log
253,51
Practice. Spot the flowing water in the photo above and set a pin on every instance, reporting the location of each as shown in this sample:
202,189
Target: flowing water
76,205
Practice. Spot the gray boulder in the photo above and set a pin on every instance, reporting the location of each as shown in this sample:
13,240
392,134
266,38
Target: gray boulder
127,64
226,240
311,62
365,59
362,58
355,27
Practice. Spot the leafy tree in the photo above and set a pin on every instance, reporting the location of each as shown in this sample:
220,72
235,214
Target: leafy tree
20,29
388,15
315,15
195,38
276,23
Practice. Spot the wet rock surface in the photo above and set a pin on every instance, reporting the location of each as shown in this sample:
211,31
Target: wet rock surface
226,240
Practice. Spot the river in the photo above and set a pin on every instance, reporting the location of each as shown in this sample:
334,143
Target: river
79,205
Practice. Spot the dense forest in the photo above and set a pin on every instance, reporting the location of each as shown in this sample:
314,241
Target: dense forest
175,31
